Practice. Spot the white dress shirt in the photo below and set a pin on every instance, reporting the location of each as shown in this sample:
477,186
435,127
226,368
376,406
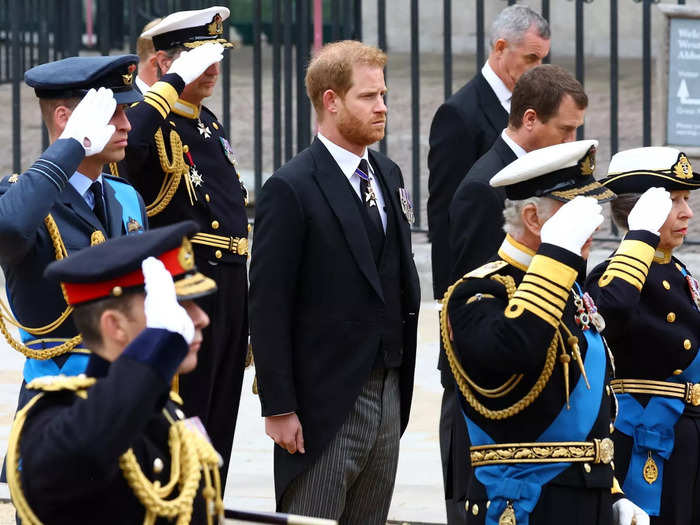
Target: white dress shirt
82,184
143,87
499,88
517,149
348,163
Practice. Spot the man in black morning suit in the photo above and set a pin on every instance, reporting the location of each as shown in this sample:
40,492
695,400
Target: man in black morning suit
334,301
548,106
463,129
64,202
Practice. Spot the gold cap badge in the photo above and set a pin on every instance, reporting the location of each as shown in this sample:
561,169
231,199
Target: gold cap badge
588,162
217,26
682,169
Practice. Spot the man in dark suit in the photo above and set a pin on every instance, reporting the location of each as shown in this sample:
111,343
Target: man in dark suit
463,129
64,202
548,106
334,300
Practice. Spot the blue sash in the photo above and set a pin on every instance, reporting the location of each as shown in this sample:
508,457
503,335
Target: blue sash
652,430
521,483
129,201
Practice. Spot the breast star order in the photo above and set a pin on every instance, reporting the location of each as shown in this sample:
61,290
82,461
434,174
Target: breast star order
195,176
203,130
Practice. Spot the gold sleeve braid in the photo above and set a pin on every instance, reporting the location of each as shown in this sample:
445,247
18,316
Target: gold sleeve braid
630,263
6,316
544,290
161,96
465,383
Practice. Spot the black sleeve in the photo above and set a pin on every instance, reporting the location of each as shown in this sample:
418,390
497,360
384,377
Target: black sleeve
277,255
69,450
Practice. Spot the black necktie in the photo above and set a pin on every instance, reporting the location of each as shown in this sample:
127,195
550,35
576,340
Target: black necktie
368,196
99,208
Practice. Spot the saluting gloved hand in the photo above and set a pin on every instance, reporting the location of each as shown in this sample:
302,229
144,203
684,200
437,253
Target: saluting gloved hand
161,306
89,121
627,513
651,211
572,224
191,64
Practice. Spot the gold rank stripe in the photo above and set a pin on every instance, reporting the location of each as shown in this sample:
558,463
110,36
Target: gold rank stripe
630,263
530,295
161,96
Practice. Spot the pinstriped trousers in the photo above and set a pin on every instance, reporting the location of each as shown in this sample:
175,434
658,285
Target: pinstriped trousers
353,479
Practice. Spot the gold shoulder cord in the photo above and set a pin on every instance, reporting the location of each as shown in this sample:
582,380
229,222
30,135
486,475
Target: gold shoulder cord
464,381
6,315
173,169
190,455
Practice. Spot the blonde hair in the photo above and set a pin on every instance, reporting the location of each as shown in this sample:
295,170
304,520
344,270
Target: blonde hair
144,46
332,66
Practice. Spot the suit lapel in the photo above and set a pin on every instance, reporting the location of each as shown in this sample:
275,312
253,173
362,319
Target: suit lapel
334,186
494,111
75,201
114,209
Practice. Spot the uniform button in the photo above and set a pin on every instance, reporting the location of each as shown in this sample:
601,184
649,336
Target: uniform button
158,465
612,465
666,285
179,413
687,344
677,372
117,291
466,505
612,428
607,389
488,504
587,468
206,197
218,254
215,225
185,148
670,317
475,509
249,228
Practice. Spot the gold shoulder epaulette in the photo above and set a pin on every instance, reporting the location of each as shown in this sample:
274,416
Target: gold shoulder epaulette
486,270
61,382
175,398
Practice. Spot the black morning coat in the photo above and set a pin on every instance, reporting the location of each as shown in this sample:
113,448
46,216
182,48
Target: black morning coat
463,129
316,305
492,347
476,212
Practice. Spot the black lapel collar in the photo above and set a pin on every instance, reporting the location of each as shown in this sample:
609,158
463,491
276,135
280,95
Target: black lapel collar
334,186
114,209
75,201
494,111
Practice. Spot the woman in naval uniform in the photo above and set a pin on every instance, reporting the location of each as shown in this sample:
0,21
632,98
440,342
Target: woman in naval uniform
649,303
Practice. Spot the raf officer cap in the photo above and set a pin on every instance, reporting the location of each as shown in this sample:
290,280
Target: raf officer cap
637,170
107,269
560,172
190,29
73,77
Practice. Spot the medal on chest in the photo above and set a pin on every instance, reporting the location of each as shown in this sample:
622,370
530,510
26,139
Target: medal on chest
228,151
193,178
694,288
203,129
369,197
587,313
406,205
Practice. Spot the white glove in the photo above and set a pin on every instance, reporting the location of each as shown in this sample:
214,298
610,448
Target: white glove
191,64
651,210
572,224
89,121
161,306
627,513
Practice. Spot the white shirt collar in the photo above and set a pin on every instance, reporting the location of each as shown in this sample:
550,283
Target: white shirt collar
143,87
499,88
517,149
82,184
347,160
515,253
